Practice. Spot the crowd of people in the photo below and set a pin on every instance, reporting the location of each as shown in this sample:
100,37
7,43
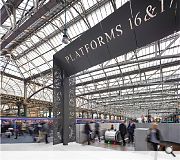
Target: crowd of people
39,131
154,137
124,130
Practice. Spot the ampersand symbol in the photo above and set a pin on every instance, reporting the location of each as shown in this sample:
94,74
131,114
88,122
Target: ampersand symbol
150,13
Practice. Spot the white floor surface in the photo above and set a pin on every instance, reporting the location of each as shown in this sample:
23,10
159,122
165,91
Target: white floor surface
76,152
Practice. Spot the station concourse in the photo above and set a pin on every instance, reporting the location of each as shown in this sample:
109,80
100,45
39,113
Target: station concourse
90,75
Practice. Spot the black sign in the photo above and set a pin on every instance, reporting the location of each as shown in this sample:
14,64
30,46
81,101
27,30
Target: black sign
136,24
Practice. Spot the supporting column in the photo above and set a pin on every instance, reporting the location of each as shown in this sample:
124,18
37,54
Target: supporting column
66,112
18,104
57,104
25,97
25,110
64,107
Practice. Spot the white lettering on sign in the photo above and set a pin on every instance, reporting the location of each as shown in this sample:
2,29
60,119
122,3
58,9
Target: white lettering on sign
117,31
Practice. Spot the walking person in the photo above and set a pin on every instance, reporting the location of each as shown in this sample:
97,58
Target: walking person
154,136
87,131
45,130
131,127
97,131
40,132
123,132
16,129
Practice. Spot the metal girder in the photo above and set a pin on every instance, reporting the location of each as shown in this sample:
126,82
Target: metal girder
12,76
113,4
12,99
138,94
42,11
68,24
38,75
39,90
21,79
133,62
128,87
50,70
140,99
173,37
165,65
51,6
10,4
93,8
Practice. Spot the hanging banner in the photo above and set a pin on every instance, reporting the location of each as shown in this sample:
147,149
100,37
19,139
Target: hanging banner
135,24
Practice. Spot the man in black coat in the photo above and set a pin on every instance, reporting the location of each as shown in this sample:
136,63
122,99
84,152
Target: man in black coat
131,127
87,131
97,131
123,132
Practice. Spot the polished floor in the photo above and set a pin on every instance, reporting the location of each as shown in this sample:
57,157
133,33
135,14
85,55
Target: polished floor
50,147
108,154
26,139
128,147
109,151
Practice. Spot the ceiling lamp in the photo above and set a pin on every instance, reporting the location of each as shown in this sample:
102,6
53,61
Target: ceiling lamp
65,38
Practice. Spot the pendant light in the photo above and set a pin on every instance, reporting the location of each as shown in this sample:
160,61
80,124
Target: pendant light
65,38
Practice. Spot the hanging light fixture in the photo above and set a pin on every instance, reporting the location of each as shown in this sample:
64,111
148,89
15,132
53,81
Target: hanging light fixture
65,38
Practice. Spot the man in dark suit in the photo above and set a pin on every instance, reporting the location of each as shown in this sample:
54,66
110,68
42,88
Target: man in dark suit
131,127
123,132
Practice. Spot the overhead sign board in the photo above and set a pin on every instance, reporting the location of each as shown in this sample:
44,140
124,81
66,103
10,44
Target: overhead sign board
135,24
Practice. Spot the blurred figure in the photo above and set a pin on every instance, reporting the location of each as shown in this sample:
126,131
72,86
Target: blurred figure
35,132
112,127
149,118
12,126
87,131
176,119
16,130
40,133
32,132
154,136
131,127
123,132
31,129
23,128
45,130
97,131
143,121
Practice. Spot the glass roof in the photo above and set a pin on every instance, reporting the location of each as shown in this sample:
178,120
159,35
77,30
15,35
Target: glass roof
128,81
